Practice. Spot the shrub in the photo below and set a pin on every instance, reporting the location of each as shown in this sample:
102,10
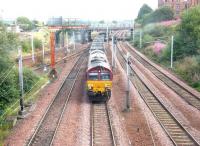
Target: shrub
26,45
189,69
9,89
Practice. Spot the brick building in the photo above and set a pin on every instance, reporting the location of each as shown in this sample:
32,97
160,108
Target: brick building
178,5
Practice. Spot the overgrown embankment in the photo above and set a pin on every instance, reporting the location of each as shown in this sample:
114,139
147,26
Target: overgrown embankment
157,41
9,80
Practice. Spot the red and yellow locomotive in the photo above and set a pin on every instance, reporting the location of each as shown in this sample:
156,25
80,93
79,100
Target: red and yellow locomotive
99,74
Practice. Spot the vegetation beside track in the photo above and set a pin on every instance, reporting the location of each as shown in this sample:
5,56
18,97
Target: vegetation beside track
156,44
9,81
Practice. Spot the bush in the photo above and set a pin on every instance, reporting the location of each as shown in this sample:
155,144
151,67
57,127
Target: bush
147,39
9,89
37,43
26,45
189,69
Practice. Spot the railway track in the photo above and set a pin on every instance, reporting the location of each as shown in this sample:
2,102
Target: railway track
66,58
101,129
47,127
189,97
173,128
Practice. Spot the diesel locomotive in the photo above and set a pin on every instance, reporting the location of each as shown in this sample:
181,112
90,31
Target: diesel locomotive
99,74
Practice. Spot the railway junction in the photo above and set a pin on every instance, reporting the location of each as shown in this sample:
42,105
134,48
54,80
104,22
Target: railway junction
148,105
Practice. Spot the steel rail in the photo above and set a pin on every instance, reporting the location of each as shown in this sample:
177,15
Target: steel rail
69,81
185,94
101,111
160,111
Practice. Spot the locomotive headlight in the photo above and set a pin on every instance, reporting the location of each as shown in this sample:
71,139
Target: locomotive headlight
107,86
90,86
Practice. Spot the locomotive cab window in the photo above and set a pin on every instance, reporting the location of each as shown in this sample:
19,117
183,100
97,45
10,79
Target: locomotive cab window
93,76
105,76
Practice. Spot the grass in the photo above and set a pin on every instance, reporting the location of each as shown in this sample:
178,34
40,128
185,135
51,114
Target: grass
12,111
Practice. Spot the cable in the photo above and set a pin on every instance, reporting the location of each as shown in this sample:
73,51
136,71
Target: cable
6,71
7,74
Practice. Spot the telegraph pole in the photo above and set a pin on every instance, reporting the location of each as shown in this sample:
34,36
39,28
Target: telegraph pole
21,83
32,45
172,50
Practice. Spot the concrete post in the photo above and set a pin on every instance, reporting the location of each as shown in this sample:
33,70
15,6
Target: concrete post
21,82
32,46
128,83
172,50
140,38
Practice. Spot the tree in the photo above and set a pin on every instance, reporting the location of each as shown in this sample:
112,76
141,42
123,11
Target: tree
114,22
25,23
35,23
188,40
161,14
145,9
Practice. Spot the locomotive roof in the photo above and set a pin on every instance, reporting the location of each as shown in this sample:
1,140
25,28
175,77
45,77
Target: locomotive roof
97,56
98,59
98,64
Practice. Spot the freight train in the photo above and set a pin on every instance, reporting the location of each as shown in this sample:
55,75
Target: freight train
99,74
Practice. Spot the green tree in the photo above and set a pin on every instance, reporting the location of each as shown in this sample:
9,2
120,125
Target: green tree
187,40
101,22
161,14
114,22
25,23
145,9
